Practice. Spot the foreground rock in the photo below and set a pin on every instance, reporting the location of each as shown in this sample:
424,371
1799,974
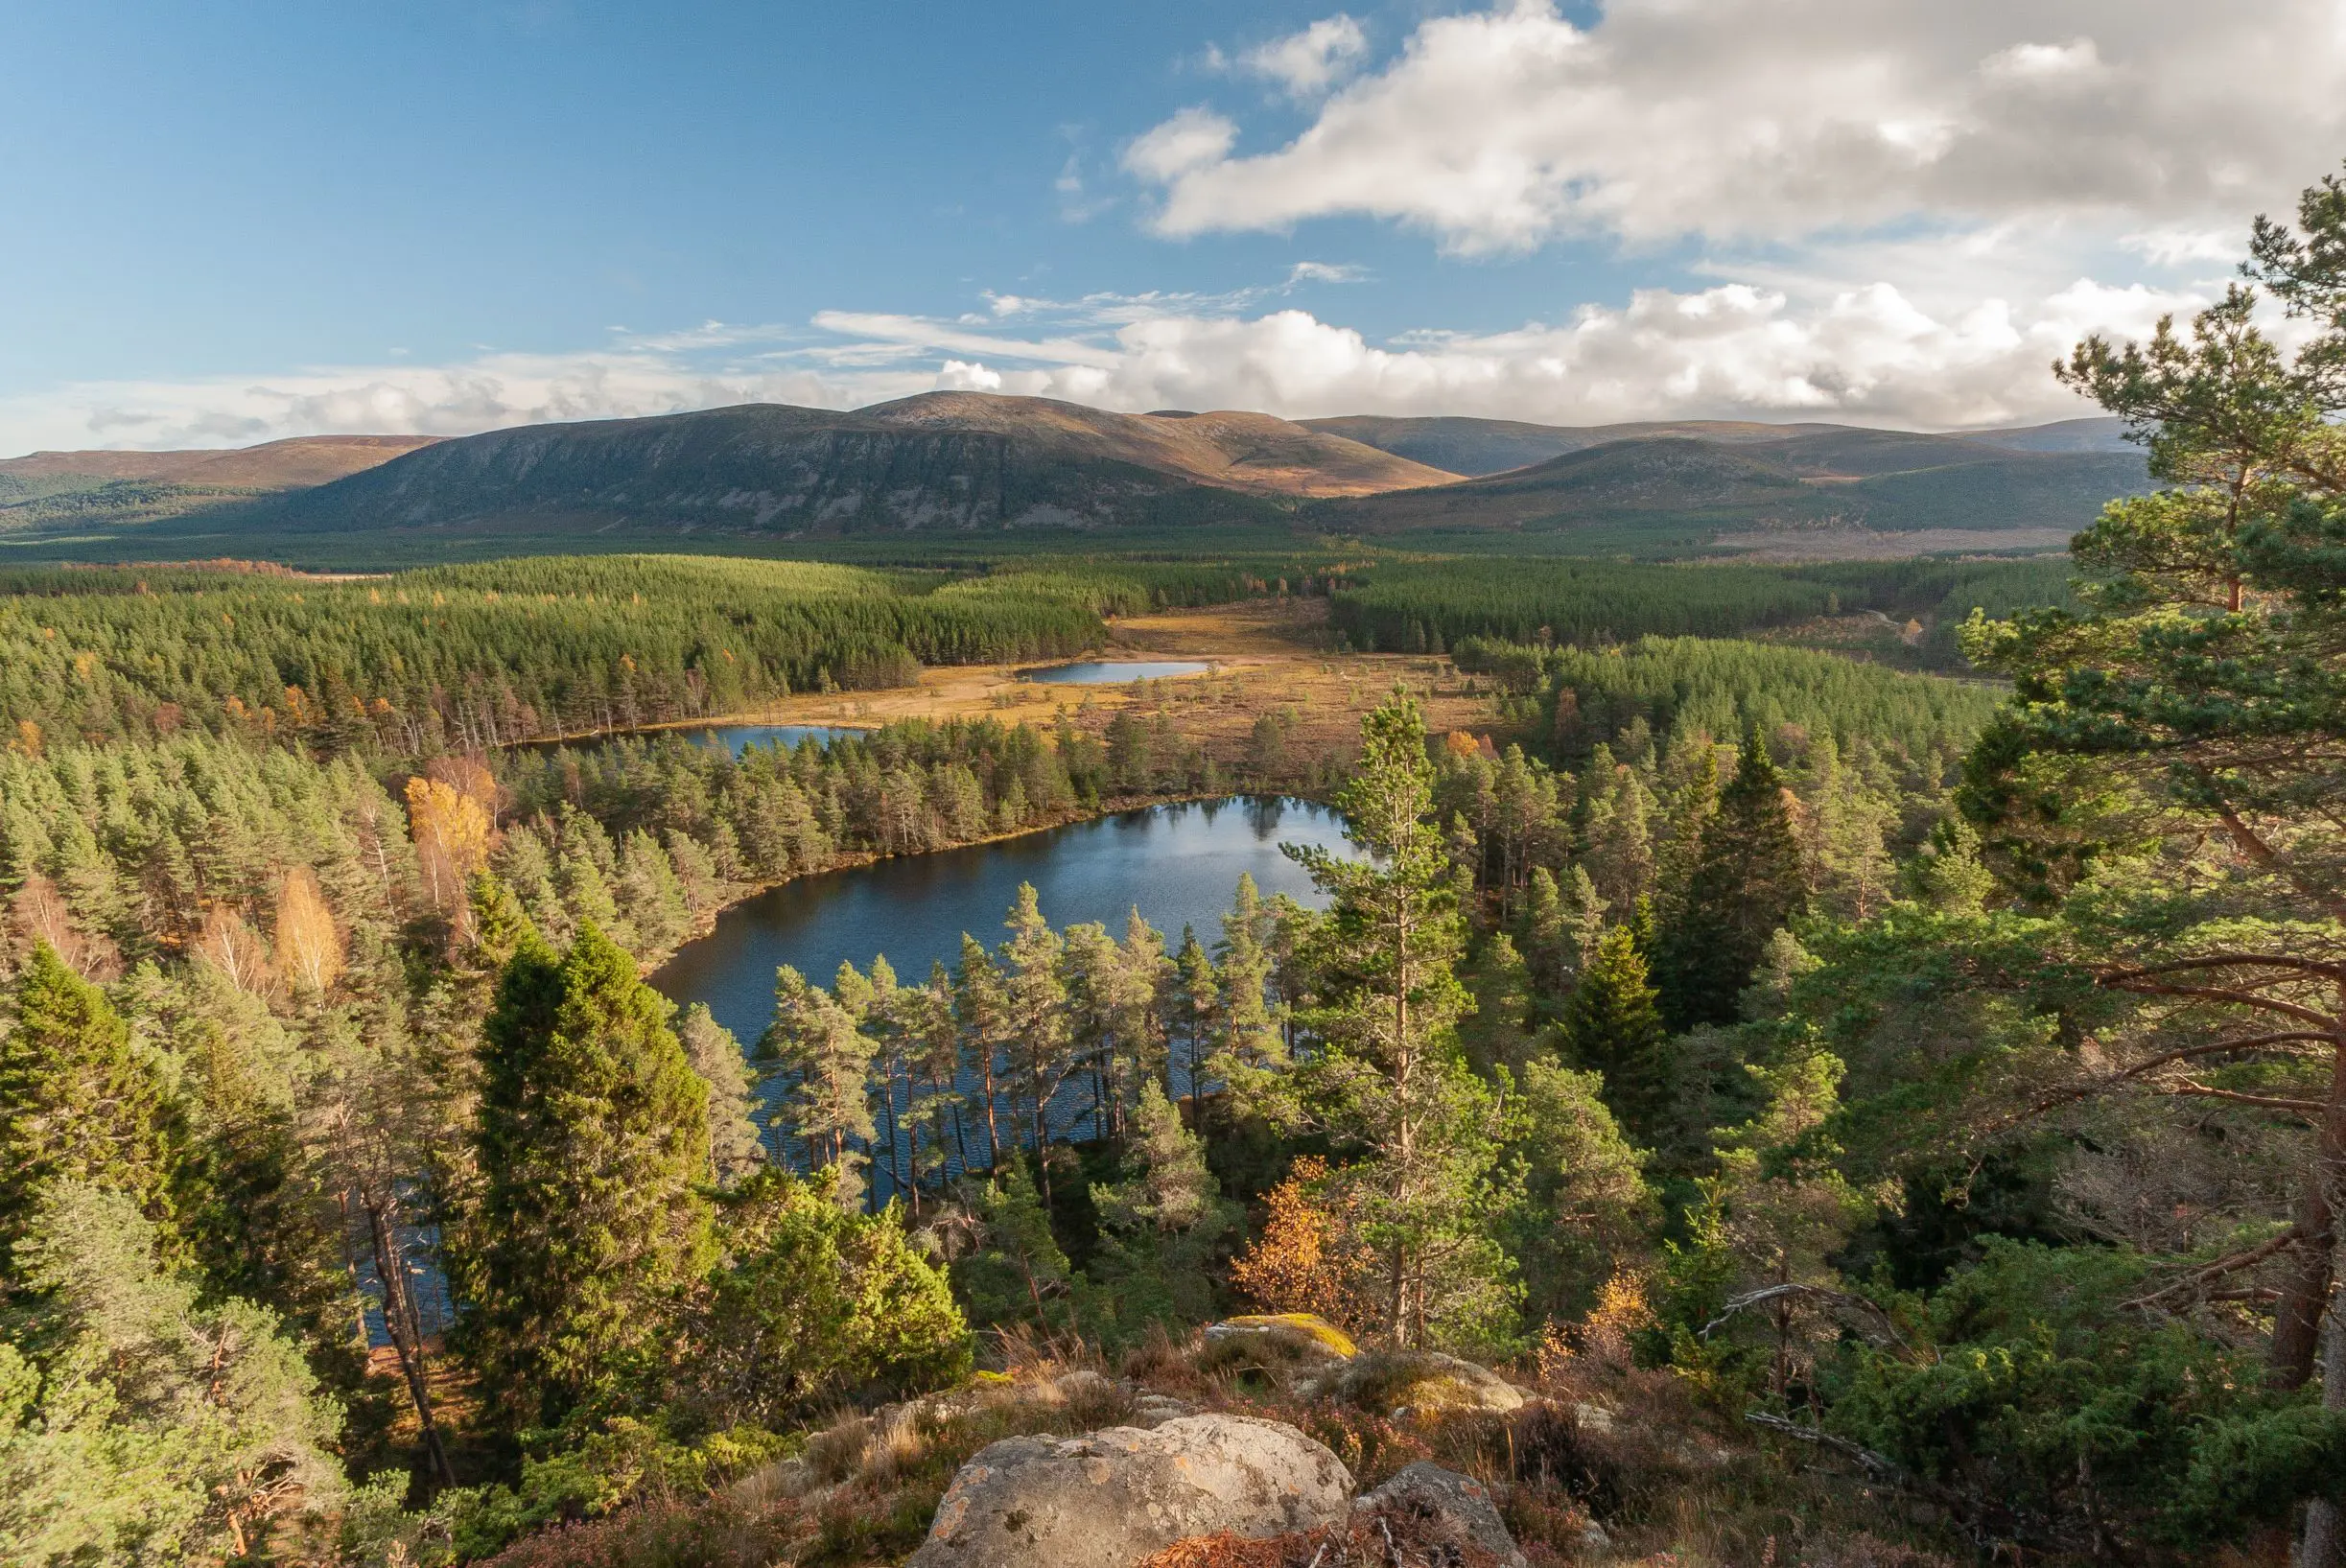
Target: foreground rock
1302,1334
1109,1498
1452,1504
1419,1383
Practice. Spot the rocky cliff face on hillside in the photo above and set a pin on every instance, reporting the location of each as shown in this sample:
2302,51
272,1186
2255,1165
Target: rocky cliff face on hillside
940,462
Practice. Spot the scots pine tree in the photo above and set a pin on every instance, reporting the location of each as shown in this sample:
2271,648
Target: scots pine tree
77,1102
1747,881
1160,1225
593,1141
1390,1080
1612,1027
735,1150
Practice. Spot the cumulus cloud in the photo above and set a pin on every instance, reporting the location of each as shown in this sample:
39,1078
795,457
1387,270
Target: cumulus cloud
1312,271
1309,62
1753,119
1192,139
1867,353
488,392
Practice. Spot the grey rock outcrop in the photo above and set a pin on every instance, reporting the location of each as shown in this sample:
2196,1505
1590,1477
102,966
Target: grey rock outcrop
1416,1383
1426,1493
1109,1498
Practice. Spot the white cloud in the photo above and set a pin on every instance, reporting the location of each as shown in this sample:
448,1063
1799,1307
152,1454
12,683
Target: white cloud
1755,120
2044,61
2176,246
1867,353
1312,271
487,392
1309,62
1194,138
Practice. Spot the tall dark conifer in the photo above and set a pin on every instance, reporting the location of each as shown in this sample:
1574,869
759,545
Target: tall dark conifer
76,1101
593,1140
1747,881
1613,1026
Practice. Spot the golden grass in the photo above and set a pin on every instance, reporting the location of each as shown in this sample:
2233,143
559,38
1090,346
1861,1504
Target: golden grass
1264,663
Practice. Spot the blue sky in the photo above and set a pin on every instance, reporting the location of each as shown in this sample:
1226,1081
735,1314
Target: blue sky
240,221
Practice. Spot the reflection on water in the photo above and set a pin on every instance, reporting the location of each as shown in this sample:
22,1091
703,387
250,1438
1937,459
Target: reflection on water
1105,672
734,738
740,738
1177,864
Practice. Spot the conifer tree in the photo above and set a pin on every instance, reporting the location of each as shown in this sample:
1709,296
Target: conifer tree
147,1423
1583,1203
880,1006
1160,1224
981,1012
932,1041
77,1103
819,1046
1391,1080
1144,973
1035,997
1019,1270
1748,881
1091,963
1620,846
811,1305
1690,773
1191,1005
593,1141
1612,1027
1563,924
735,1149
1246,1030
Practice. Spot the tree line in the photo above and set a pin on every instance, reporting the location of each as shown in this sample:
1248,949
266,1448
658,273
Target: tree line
478,657
1421,606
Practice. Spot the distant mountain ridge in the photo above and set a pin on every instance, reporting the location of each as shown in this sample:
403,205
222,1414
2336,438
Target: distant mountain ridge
47,488
1853,481
1478,448
301,461
970,462
940,460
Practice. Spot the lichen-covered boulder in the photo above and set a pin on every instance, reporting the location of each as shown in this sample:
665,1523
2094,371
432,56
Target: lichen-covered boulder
1448,1502
1109,1498
1307,1332
1415,1383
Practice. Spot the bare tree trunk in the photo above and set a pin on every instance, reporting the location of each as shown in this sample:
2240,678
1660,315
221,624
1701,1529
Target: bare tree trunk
2306,1295
406,1330
2322,1543
994,1137
896,1168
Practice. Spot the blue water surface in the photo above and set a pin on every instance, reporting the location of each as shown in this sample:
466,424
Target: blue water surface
1178,864
1115,672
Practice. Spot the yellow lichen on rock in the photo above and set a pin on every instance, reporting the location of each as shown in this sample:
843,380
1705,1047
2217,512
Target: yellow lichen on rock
1310,1325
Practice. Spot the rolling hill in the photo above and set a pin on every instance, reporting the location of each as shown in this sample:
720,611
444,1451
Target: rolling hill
1742,493
1477,448
1481,447
945,462
951,460
49,489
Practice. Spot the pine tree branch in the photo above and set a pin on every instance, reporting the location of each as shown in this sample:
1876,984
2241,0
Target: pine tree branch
2209,1273
2265,855
2221,1047
2201,1091
2229,960
1831,1297
2323,1021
